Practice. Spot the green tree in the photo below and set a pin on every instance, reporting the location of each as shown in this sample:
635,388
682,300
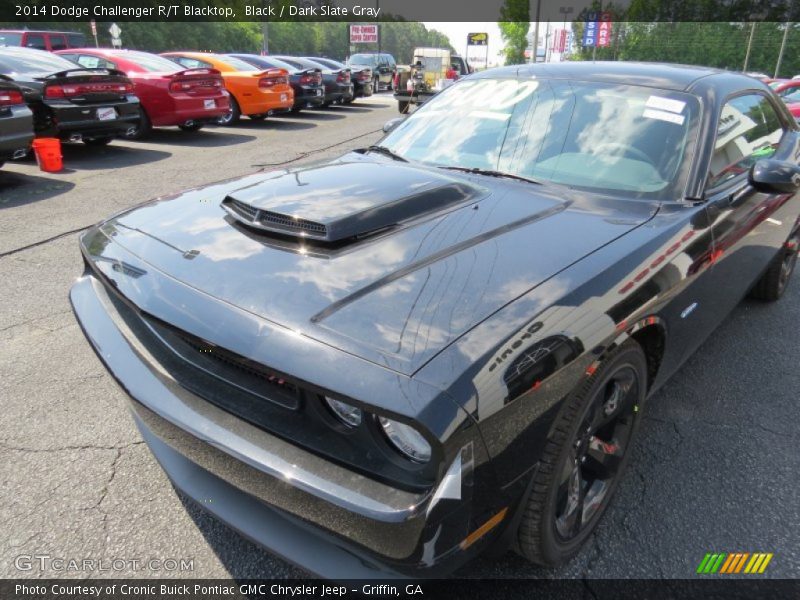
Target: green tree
514,30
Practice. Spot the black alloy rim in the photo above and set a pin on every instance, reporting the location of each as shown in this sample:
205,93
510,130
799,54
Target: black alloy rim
596,453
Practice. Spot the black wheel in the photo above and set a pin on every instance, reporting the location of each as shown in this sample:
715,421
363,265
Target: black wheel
584,458
296,110
773,282
143,129
376,84
97,141
2,162
258,117
233,116
190,126
402,106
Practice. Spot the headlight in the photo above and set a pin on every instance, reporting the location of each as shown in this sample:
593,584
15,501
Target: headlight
346,413
407,440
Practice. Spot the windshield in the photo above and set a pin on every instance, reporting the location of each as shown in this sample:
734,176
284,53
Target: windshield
150,62
330,64
33,61
362,59
609,138
10,39
237,63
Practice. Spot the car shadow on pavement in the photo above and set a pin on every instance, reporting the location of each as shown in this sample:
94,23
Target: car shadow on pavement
115,155
205,138
241,558
321,114
362,104
18,189
281,123
355,108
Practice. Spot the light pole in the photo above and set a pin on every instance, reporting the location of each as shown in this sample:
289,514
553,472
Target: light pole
783,47
749,46
566,11
536,31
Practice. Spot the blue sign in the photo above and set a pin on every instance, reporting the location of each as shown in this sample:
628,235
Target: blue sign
590,33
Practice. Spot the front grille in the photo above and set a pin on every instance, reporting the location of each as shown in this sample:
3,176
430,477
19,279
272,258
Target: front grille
271,220
229,359
227,366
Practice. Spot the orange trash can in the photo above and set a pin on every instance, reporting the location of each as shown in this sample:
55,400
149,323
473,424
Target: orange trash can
48,154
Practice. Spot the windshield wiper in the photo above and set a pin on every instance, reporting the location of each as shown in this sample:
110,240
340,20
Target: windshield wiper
382,150
492,173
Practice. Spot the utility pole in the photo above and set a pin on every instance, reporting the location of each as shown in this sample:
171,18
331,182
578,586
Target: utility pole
536,31
265,33
377,12
783,47
749,46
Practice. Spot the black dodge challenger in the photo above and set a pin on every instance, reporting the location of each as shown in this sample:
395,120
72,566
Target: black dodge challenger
390,362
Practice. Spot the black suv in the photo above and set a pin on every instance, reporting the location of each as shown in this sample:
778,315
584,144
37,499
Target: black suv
71,102
383,68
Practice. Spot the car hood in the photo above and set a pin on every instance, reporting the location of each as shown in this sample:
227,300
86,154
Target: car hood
385,260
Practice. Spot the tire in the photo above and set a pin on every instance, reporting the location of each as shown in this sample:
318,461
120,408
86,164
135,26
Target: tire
2,162
143,130
402,106
553,526
258,117
776,278
98,141
296,110
376,84
232,117
192,127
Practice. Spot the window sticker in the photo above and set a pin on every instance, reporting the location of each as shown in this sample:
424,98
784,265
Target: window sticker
661,103
662,115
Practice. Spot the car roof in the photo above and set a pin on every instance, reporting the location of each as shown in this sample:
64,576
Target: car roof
37,31
657,75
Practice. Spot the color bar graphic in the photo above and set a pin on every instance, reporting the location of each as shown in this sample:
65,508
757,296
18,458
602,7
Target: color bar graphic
726,563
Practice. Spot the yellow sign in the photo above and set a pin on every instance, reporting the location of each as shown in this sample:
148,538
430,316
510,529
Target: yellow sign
477,39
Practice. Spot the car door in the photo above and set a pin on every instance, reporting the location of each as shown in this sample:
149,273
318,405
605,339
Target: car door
750,227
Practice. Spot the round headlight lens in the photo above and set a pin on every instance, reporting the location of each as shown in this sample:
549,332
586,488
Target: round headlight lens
407,440
346,413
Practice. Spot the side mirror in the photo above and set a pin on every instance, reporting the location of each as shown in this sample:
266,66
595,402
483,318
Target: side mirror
775,176
392,123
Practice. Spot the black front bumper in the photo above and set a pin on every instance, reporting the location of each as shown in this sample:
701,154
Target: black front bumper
16,131
319,515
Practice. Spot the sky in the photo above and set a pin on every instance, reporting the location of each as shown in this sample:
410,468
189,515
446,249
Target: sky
457,32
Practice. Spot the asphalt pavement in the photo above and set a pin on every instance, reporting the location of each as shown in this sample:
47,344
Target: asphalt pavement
715,467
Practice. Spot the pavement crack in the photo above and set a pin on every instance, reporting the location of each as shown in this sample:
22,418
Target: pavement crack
316,151
119,448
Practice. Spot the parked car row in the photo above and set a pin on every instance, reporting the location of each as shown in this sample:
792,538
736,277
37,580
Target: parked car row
96,94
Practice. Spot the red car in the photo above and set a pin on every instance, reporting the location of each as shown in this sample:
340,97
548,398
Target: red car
169,93
789,91
794,108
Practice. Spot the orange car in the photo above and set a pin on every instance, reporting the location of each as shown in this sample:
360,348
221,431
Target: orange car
254,92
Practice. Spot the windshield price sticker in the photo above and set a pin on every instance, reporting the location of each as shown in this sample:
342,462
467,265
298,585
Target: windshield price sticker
663,115
668,104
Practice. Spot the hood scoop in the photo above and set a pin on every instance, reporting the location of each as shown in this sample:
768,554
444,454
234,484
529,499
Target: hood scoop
345,201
